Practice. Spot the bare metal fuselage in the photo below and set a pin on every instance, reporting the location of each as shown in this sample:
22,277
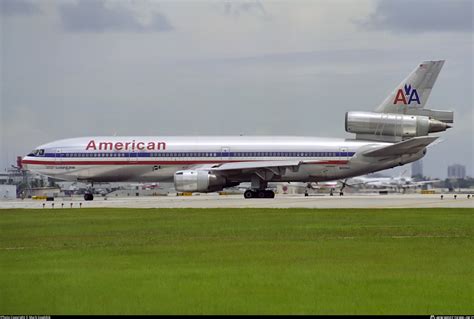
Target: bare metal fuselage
152,159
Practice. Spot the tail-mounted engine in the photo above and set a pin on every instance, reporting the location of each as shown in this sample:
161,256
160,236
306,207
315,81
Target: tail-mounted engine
391,127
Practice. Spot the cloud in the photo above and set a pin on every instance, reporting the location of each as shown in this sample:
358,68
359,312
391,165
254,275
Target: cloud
18,7
420,16
96,16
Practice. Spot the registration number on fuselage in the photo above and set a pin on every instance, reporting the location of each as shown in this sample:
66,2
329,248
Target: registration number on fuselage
60,167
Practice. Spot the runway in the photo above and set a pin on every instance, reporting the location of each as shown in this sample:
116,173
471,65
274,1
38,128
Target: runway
237,201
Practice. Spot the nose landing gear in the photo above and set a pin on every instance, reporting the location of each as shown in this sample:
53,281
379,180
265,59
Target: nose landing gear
89,194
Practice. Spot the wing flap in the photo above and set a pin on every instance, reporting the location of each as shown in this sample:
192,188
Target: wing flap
410,146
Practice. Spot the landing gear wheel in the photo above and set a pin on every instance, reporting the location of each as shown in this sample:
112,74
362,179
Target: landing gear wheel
248,194
269,194
88,196
341,193
259,194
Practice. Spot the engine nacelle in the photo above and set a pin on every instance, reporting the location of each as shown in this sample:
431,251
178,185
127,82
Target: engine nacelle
388,124
198,181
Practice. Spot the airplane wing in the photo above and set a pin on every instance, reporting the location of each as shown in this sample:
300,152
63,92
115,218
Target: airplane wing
410,146
264,169
376,182
254,165
426,182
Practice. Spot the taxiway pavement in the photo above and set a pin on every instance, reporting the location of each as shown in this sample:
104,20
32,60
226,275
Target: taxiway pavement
237,201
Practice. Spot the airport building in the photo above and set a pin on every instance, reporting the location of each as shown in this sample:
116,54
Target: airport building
11,176
457,171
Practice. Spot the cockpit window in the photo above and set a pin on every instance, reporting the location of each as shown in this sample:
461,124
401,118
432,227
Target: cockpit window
37,153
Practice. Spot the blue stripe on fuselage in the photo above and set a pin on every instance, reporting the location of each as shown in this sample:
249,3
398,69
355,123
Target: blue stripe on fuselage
194,154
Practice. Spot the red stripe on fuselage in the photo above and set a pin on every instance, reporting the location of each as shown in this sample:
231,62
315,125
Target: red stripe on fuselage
61,163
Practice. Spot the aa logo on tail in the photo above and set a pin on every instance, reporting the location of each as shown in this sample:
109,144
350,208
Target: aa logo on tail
407,96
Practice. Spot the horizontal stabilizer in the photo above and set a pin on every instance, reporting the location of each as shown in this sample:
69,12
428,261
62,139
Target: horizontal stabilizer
440,115
410,146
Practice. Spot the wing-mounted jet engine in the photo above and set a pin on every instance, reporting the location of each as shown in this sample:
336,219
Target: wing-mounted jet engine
198,181
402,115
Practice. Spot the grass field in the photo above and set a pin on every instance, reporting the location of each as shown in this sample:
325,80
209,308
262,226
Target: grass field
237,261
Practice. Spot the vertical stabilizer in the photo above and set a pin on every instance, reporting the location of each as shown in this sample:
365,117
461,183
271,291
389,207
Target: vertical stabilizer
414,91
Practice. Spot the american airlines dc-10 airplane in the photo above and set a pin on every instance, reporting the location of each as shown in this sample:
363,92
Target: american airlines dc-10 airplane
396,133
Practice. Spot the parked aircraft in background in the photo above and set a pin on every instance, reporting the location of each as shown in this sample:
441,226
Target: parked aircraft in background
396,133
397,183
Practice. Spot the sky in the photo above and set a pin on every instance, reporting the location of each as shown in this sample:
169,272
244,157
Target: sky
138,67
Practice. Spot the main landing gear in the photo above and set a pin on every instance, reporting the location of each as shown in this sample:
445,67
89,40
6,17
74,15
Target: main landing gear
250,193
258,189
